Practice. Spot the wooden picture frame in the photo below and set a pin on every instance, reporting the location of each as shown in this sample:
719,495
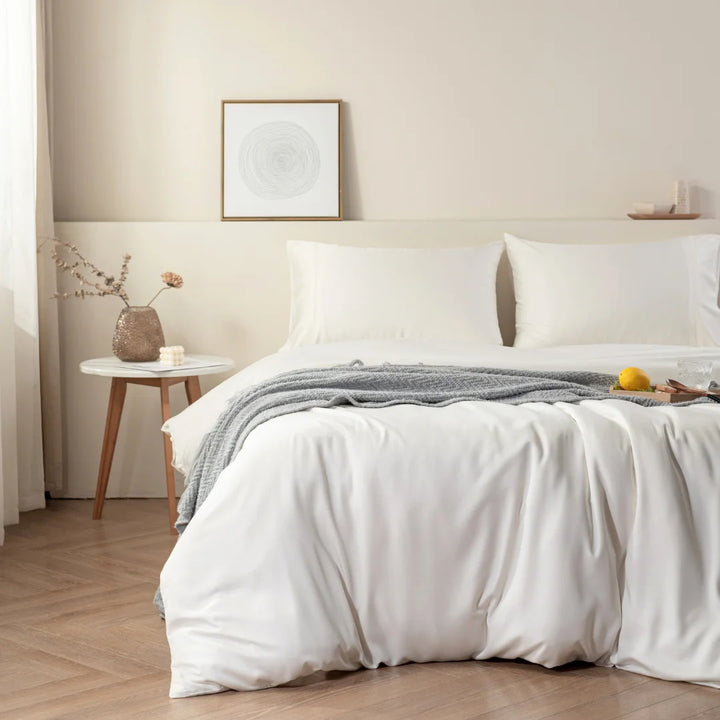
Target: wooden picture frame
281,160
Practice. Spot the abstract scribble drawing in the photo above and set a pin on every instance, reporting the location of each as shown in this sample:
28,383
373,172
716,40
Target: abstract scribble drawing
279,160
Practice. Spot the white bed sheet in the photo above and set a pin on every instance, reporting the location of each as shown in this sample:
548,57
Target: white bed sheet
347,537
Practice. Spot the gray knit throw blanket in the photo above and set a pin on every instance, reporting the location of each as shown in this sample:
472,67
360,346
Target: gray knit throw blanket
374,387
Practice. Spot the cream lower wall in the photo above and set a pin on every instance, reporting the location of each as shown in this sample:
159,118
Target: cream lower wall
235,302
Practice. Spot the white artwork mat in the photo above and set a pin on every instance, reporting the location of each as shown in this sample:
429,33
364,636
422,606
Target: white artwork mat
281,160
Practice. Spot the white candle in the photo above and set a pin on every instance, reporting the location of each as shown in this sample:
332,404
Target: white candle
172,355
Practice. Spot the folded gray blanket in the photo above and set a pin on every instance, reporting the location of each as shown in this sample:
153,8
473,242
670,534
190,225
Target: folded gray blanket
375,386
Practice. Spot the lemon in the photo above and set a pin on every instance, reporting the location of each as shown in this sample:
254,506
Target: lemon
632,378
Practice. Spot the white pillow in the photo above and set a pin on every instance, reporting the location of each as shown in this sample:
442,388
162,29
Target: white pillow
658,292
351,293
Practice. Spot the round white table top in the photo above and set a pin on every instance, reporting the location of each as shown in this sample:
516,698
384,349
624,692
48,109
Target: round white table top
193,365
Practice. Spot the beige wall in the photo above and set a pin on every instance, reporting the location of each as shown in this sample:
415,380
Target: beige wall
455,108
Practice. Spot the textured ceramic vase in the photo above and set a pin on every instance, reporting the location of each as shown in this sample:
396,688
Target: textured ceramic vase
138,335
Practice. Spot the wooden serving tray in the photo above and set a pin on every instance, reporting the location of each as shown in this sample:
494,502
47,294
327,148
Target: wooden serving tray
664,216
658,395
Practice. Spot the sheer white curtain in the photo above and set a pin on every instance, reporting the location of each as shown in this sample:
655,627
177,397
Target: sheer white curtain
21,454
47,272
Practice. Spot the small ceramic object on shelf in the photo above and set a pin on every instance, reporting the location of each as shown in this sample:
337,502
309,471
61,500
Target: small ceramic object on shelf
644,208
651,208
665,211
682,197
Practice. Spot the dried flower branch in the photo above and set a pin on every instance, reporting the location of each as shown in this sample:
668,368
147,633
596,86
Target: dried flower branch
82,270
93,280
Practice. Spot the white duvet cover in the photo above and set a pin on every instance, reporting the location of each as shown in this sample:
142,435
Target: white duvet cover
347,537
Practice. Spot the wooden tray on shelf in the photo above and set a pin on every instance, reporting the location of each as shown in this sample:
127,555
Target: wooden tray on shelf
658,395
664,216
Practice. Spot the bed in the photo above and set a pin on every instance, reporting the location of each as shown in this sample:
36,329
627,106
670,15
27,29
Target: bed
343,536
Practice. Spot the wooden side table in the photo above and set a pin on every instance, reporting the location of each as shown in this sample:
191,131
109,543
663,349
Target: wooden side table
123,373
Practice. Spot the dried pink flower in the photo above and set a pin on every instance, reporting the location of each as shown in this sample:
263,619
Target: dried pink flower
172,279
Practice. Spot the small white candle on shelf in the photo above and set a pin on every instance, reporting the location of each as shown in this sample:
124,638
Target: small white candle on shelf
682,197
172,355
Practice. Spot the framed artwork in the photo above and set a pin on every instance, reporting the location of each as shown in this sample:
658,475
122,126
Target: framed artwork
282,160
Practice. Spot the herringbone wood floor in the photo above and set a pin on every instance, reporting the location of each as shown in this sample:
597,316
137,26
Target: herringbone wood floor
79,638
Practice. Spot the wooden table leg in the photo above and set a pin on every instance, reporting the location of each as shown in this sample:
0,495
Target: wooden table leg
112,423
169,471
192,389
